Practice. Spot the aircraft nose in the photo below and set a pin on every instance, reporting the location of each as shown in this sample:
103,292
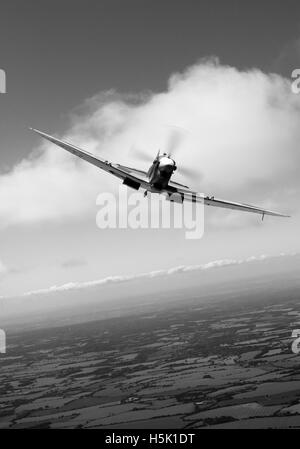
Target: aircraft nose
166,167
166,164
166,170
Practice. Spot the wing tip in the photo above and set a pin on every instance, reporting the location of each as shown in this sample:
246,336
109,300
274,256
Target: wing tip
277,214
34,130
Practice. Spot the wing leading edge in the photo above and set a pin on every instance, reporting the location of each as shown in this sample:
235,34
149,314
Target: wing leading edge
136,177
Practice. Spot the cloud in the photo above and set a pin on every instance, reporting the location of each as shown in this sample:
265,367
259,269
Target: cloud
73,263
3,268
244,132
153,274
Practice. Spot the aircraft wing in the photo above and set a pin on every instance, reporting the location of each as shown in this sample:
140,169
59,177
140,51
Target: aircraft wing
131,177
176,185
133,171
188,195
137,178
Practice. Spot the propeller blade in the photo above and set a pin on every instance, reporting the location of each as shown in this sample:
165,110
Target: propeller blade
189,172
174,141
140,155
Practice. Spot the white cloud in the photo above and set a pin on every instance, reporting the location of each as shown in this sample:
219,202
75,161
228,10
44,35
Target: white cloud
150,275
3,268
244,137
73,263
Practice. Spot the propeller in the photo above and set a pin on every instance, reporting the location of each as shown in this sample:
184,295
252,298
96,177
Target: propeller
173,145
174,141
141,155
189,173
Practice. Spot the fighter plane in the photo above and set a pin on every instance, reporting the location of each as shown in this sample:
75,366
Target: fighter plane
157,179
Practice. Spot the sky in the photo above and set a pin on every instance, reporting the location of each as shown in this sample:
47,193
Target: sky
108,75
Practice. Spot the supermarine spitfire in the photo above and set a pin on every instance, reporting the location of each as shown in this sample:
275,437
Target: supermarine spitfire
157,179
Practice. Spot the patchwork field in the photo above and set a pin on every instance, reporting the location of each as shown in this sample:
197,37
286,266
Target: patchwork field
190,364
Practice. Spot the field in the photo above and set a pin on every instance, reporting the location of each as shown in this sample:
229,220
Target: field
189,364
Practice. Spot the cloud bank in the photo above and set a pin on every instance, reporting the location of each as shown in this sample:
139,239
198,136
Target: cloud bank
153,274
244,133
